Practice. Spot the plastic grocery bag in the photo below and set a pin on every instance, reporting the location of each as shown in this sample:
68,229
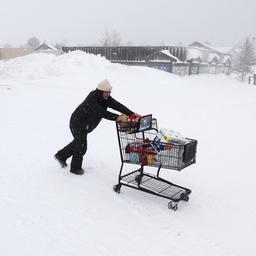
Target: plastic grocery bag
165,137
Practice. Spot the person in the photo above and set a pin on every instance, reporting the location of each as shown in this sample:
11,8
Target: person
249,79
85,119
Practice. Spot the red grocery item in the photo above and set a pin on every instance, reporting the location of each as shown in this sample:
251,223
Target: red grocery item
134,118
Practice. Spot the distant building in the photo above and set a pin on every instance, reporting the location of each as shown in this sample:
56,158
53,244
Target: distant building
162,60
182,60
208,51
131,54
212,60
46,48
8,53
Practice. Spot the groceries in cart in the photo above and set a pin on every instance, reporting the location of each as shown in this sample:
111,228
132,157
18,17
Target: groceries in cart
141,153
134,123
127,123
165,138
166,149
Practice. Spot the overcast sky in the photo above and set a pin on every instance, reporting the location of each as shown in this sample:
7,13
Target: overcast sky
220,22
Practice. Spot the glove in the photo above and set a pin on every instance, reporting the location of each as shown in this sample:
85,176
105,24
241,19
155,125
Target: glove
122,118
135,117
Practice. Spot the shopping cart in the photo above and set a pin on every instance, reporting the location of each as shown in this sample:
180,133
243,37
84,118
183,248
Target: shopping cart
138,146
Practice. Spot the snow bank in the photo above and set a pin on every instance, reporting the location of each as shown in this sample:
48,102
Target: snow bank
45,210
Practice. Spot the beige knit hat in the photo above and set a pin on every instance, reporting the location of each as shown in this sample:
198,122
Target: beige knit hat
104,86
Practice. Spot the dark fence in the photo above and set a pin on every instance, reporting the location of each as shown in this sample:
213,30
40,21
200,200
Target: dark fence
129,53
137,56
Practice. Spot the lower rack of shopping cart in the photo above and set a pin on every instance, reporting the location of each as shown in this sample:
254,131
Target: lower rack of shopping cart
154,185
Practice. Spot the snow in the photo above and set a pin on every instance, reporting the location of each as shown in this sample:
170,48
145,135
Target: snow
46,47
212,56
166,52
220,49
194,54
45,210
226,58
52,47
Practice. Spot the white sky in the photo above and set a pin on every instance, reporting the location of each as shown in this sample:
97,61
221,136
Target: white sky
221,22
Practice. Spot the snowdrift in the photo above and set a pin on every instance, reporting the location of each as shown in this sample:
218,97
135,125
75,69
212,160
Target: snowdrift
45,210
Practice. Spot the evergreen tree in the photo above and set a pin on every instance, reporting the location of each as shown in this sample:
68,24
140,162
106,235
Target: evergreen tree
246,58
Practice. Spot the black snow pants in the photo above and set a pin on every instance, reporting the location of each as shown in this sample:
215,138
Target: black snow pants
77,148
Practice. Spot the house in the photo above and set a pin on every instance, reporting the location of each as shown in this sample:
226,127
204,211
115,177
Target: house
8,53
194,55
213,60
227,60
162,60
209,52
46,48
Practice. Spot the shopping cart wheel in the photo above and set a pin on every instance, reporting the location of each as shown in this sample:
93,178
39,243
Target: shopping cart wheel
117,188
138,178
184,197
173,206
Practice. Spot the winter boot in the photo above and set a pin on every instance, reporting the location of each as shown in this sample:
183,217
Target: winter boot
78,172
62,163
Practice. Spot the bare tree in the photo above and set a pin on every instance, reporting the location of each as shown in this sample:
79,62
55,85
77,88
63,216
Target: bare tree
61,44
129,43
111,39
245,58
33,43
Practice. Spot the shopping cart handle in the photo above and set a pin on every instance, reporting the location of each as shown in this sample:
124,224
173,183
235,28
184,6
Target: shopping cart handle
136,124
144,123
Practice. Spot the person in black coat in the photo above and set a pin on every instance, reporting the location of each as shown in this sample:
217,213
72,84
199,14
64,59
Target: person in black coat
85,119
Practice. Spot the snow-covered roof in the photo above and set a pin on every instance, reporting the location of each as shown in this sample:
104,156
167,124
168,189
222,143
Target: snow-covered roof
223,49
217,49
213,56
202,44
162,56
194,54
226,58
166,52
53,48
45,46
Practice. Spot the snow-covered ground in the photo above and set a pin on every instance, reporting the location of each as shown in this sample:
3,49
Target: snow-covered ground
45,210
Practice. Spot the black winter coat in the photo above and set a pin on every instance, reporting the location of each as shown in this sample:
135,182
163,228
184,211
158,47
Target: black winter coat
90,112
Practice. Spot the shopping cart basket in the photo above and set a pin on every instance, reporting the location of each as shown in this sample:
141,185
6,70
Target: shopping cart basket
138,146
